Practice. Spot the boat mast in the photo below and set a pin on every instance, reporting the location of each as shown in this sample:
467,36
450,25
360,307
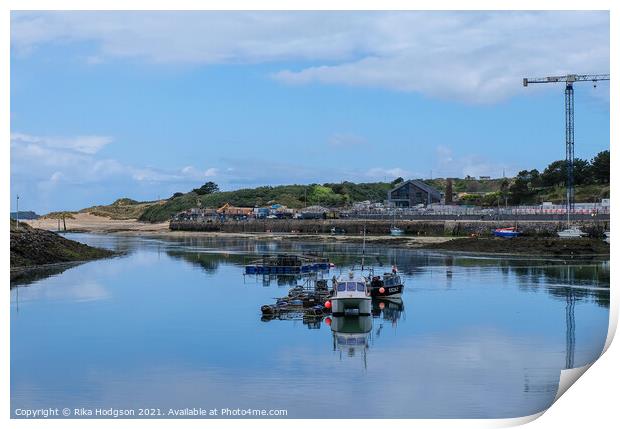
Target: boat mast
364,246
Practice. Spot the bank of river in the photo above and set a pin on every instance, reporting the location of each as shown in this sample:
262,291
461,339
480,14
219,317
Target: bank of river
33,249
443,235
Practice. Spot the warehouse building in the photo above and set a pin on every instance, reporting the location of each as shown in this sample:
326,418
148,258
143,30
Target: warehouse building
412,193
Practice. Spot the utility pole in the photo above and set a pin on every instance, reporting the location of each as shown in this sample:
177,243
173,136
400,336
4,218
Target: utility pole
569,112
17,212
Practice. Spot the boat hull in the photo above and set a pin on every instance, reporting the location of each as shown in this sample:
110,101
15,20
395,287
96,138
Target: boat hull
395,291
571,233
506,233
344,306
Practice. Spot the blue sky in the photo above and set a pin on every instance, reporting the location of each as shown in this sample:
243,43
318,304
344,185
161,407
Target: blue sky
141,105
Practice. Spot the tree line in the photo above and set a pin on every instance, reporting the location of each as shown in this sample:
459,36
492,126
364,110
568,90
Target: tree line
528,183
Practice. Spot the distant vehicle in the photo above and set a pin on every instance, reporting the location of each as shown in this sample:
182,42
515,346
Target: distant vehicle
272,217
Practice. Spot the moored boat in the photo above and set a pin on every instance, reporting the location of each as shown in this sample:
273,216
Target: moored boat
396,231
506,232
350,295
572,232
390,285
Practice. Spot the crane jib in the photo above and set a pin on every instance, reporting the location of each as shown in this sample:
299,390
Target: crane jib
569,78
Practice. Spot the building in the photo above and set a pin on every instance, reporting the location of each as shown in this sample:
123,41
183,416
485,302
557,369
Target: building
232,211
412,193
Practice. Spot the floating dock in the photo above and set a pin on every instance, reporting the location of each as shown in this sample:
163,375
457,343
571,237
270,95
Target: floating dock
286,264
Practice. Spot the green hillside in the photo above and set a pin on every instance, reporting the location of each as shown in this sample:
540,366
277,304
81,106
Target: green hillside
294,196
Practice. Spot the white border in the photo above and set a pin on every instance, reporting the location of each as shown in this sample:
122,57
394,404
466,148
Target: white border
592,402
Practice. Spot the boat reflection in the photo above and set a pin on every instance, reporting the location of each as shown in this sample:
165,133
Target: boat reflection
388,309
351,335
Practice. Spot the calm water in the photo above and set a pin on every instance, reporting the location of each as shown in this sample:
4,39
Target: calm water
175,324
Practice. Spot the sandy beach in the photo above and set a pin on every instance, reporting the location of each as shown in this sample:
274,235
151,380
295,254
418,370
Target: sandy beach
86,222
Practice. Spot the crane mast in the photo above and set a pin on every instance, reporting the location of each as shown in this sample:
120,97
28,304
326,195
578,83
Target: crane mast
569,110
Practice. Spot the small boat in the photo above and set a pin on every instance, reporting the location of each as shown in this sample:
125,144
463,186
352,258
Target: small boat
606,236
506,232
572,232
388,286
396,231
350,296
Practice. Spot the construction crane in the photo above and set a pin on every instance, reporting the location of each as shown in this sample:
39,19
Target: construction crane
569,105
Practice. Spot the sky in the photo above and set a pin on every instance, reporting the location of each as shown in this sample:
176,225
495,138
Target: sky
144,104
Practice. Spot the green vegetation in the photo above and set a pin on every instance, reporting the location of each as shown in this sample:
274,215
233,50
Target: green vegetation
591,180
294,196
121,209
528,187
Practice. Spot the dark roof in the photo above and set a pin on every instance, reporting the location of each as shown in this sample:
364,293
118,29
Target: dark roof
426,188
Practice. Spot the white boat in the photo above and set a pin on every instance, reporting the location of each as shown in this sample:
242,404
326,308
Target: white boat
396,231
606,236
351,296
572,232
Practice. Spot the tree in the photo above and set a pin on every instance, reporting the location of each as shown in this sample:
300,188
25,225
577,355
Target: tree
582,172
554,174
520,190
397,181
176,194
600,167
207,188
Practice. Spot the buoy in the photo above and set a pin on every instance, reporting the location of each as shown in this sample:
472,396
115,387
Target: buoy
381,289
328,321
328,304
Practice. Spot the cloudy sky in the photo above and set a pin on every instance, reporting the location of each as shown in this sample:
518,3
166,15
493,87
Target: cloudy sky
144,104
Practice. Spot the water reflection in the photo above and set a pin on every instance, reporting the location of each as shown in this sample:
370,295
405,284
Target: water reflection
388,309
481,336
351,335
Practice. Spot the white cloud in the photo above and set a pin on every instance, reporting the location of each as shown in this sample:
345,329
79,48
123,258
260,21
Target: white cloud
390,173
476,57
81,144
450,165
50,160
345,140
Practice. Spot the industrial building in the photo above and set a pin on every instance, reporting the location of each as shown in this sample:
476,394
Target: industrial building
412,193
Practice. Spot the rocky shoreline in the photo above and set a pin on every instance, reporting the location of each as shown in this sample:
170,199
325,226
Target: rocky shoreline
32,247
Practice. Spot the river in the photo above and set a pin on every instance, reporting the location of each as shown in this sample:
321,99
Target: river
173,324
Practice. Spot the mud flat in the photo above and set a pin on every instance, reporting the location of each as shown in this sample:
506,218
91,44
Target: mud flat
525,245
